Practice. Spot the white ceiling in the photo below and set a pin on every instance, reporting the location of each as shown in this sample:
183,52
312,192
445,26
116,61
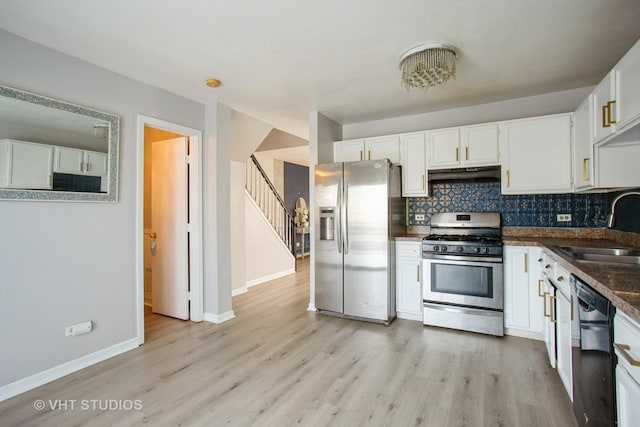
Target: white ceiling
280,59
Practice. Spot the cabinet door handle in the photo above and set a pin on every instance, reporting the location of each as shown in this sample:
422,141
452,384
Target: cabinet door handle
361,153
457,154
369,155
604,116
560,278
624,350
544,308
540,294
418,273
507,178
552,308
609,119
422,182
526,262
466,153
585,172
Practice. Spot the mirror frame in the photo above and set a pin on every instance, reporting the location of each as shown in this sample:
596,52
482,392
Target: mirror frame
112,152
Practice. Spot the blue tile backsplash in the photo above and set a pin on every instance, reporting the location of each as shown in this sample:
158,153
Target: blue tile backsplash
536,210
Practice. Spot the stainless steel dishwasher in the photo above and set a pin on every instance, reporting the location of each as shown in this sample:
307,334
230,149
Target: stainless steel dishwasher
593,358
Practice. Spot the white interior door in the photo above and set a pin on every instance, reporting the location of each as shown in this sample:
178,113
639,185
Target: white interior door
169,201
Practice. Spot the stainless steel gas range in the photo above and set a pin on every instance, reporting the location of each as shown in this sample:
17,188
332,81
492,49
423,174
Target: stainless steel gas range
462,273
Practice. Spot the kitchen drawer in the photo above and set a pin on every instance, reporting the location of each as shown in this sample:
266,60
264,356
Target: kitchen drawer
408,250
627,334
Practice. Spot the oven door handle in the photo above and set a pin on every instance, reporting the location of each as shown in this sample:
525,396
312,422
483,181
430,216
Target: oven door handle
462,310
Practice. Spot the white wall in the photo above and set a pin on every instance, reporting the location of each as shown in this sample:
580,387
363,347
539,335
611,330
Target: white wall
63,263
238,257
540,105
267,257
322,132
217,213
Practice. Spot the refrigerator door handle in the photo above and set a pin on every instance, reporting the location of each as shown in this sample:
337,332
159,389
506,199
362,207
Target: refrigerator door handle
339,219
344,216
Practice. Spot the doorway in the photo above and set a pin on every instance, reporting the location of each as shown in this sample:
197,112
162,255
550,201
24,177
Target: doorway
183,259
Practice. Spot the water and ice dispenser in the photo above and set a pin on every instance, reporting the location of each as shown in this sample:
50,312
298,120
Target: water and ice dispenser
327,223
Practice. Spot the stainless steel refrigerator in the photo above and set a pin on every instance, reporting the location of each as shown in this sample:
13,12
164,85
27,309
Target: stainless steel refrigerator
358,211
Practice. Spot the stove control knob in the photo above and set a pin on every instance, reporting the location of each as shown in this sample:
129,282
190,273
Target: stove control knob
460,249
476,250
485,250
436,248
444,248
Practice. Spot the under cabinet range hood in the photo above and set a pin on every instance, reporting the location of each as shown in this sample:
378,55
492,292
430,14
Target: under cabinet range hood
482,174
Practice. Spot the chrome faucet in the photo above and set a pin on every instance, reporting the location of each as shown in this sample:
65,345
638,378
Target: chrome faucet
611,218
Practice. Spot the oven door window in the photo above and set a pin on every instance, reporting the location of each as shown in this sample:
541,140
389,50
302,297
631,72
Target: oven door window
469,280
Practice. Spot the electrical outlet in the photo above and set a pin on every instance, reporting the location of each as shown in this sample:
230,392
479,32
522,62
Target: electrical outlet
564,217
78,329
419,217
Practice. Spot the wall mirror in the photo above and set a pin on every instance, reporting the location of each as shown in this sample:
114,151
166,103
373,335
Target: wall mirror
54,150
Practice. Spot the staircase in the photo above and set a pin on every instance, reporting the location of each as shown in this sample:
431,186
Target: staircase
263,192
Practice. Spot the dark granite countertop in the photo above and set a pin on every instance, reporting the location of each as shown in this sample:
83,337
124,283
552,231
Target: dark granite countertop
619,283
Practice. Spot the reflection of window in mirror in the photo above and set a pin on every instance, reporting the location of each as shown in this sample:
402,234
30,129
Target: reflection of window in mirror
301,213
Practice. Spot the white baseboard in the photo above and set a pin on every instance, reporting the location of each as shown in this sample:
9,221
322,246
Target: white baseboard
409,316
219,318
29,383
524,334
312,307
239,291
273,276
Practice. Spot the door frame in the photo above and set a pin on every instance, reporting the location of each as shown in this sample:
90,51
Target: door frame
196,264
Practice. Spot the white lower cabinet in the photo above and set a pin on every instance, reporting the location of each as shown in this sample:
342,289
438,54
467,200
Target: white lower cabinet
522,304
408,280
562,307
627,348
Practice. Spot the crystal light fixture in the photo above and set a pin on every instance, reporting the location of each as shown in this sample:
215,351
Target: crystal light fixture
427,65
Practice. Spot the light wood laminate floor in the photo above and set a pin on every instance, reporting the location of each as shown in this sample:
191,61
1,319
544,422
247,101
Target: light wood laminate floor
276,364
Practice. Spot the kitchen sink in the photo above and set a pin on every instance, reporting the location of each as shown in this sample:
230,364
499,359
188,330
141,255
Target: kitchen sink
609,255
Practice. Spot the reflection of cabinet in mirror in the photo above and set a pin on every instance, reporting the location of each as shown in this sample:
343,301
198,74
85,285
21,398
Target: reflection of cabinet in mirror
28,165
25,165
72,160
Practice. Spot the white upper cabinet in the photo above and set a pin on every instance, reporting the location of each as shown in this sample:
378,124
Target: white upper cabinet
535,155
601,166
348,151
25,165
616,100
583,146
628,86
414,165
465,146
444,148
480,145
385,147
605,108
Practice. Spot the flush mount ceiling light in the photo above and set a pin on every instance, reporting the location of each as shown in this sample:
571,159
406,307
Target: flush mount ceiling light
213,82
427,65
